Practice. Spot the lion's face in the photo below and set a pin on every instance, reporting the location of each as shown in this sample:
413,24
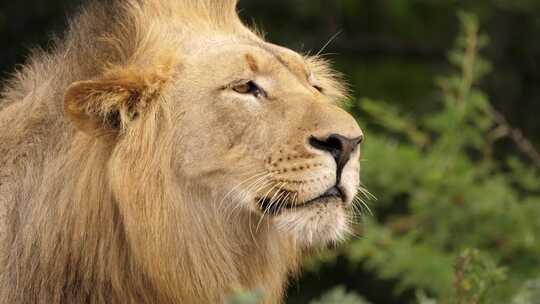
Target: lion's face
262,128
256,123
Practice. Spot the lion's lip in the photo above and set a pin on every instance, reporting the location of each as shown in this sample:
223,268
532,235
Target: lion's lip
275,208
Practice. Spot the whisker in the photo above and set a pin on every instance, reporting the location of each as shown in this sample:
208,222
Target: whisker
364,191
363,204
272,187
240,184
258,184
269,205
329,42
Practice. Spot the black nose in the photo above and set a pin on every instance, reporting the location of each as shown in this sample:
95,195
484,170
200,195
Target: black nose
339,146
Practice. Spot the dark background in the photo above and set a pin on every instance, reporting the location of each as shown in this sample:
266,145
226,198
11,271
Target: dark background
389,50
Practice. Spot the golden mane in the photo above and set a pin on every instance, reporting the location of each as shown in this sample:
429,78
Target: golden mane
74,228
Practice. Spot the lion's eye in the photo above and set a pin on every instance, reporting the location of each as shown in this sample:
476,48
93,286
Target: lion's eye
249,87
315,83
318,88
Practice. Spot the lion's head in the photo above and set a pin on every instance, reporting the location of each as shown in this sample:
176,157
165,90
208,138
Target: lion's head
203,158
258,124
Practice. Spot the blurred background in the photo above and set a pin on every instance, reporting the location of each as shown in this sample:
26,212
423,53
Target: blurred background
448,94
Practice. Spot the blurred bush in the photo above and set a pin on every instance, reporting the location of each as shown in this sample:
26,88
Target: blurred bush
452,223
337,295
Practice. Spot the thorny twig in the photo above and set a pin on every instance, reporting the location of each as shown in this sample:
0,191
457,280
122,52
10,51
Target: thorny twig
516,135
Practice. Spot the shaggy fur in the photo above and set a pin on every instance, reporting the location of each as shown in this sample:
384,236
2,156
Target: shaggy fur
93,207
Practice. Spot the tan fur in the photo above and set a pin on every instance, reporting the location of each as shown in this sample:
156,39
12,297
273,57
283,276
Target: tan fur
130,168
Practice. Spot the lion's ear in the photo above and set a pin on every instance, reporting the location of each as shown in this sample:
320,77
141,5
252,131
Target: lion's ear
109,104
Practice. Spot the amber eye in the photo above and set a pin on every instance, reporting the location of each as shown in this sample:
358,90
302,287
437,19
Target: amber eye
249,87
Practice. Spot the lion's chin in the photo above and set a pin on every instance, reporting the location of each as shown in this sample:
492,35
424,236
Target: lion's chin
315,225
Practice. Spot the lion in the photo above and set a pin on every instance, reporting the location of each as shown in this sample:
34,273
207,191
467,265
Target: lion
164,152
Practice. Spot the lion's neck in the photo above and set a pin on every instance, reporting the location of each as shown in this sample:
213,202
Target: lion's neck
215,252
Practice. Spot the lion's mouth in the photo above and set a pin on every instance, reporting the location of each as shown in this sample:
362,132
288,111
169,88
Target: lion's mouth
276,206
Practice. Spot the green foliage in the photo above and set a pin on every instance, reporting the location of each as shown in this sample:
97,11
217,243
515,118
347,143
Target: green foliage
339,295
336,295
529,293
474,276
246,297
466,227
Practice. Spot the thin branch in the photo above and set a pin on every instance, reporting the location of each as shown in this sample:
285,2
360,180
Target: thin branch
471,51
516,135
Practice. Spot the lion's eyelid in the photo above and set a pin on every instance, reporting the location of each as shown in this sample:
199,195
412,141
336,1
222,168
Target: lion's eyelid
252,88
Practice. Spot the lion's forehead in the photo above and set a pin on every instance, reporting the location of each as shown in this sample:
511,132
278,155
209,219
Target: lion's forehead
198,49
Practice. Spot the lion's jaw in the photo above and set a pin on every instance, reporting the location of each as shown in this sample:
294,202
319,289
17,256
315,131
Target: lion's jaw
321,216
